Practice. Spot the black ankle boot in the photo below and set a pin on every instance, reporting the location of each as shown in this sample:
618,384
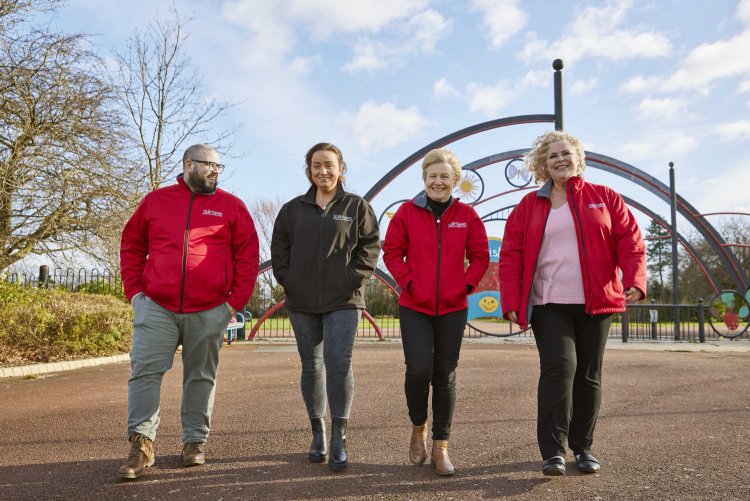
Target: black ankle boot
338,458
319,446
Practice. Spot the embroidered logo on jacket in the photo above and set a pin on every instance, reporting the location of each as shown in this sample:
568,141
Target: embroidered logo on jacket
341,217
209,212
454,224
600,205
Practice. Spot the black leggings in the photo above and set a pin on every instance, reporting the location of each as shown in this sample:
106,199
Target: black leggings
431,345
571,349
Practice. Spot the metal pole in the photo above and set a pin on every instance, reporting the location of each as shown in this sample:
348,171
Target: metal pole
557,64
675,270
701,322
43,276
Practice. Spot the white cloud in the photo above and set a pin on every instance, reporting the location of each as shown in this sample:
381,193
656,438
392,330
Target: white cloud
743,11
711,61
722,192
369,55
744,87
502,18
640,84
443,88
325,17
383,126
596,32
269,37
417,35
666,109
582,87
734,131
491,99
667,145
539,78
303,65
698,70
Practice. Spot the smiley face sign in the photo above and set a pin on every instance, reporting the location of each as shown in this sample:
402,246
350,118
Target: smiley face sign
484,304
488,304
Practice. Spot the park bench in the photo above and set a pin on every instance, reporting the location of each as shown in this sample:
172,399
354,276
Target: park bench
236,326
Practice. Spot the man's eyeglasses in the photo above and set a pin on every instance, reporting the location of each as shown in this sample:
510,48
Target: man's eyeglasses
211,165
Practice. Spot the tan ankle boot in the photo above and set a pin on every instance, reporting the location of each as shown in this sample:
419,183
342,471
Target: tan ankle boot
418,445
141,457
440,460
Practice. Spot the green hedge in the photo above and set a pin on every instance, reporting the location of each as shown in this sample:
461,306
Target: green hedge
41,325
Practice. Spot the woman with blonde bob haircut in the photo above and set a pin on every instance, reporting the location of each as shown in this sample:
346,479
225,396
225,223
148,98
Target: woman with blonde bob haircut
442,156
427,243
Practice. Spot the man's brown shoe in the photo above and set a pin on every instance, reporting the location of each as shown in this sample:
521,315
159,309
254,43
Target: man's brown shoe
193,454
141,457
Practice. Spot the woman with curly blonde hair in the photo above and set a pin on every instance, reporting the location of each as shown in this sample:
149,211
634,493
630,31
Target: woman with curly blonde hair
565,248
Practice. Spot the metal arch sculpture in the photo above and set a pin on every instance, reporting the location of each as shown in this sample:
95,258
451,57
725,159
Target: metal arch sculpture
697,259
653,185
450,138
714,239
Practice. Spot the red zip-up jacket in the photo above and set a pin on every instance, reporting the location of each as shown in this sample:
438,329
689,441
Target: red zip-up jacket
430,255
190,251
609,242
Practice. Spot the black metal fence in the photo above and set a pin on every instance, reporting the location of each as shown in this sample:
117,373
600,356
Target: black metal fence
80,280
641,322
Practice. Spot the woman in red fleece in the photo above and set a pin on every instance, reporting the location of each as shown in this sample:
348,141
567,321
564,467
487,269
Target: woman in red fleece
424,249
564,251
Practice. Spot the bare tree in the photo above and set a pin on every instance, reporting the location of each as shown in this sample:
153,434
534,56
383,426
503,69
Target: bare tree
161,92
693,284
264,213
61,174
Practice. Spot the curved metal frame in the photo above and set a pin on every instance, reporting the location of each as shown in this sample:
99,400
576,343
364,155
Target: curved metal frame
747,322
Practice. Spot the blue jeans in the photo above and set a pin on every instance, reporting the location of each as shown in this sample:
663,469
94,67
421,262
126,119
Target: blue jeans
325,342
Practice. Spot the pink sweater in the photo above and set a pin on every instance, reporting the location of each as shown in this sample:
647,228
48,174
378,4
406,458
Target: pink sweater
558,271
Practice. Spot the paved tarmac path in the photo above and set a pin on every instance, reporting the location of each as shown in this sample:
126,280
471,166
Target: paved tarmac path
673,425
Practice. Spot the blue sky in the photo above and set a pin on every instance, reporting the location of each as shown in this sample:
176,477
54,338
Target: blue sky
646,82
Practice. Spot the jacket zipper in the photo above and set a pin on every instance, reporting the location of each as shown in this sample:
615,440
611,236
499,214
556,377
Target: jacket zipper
184,250
437,279
583,245
320,251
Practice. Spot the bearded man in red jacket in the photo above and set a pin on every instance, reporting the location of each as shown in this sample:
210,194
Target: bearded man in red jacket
189,260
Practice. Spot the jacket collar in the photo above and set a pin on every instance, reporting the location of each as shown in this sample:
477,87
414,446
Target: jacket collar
309,197
421,200
545,191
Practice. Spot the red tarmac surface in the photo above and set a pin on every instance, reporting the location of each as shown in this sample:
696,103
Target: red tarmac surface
673,425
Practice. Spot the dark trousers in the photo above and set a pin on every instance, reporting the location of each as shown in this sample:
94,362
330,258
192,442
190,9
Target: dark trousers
431,345
571,349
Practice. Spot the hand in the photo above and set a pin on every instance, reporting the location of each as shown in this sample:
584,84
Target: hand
513,317
231,309
632,295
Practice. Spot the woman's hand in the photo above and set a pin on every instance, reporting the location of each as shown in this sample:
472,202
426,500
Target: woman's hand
632,295
513,317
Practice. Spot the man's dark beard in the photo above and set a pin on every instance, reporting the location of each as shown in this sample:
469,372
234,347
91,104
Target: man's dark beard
200,184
